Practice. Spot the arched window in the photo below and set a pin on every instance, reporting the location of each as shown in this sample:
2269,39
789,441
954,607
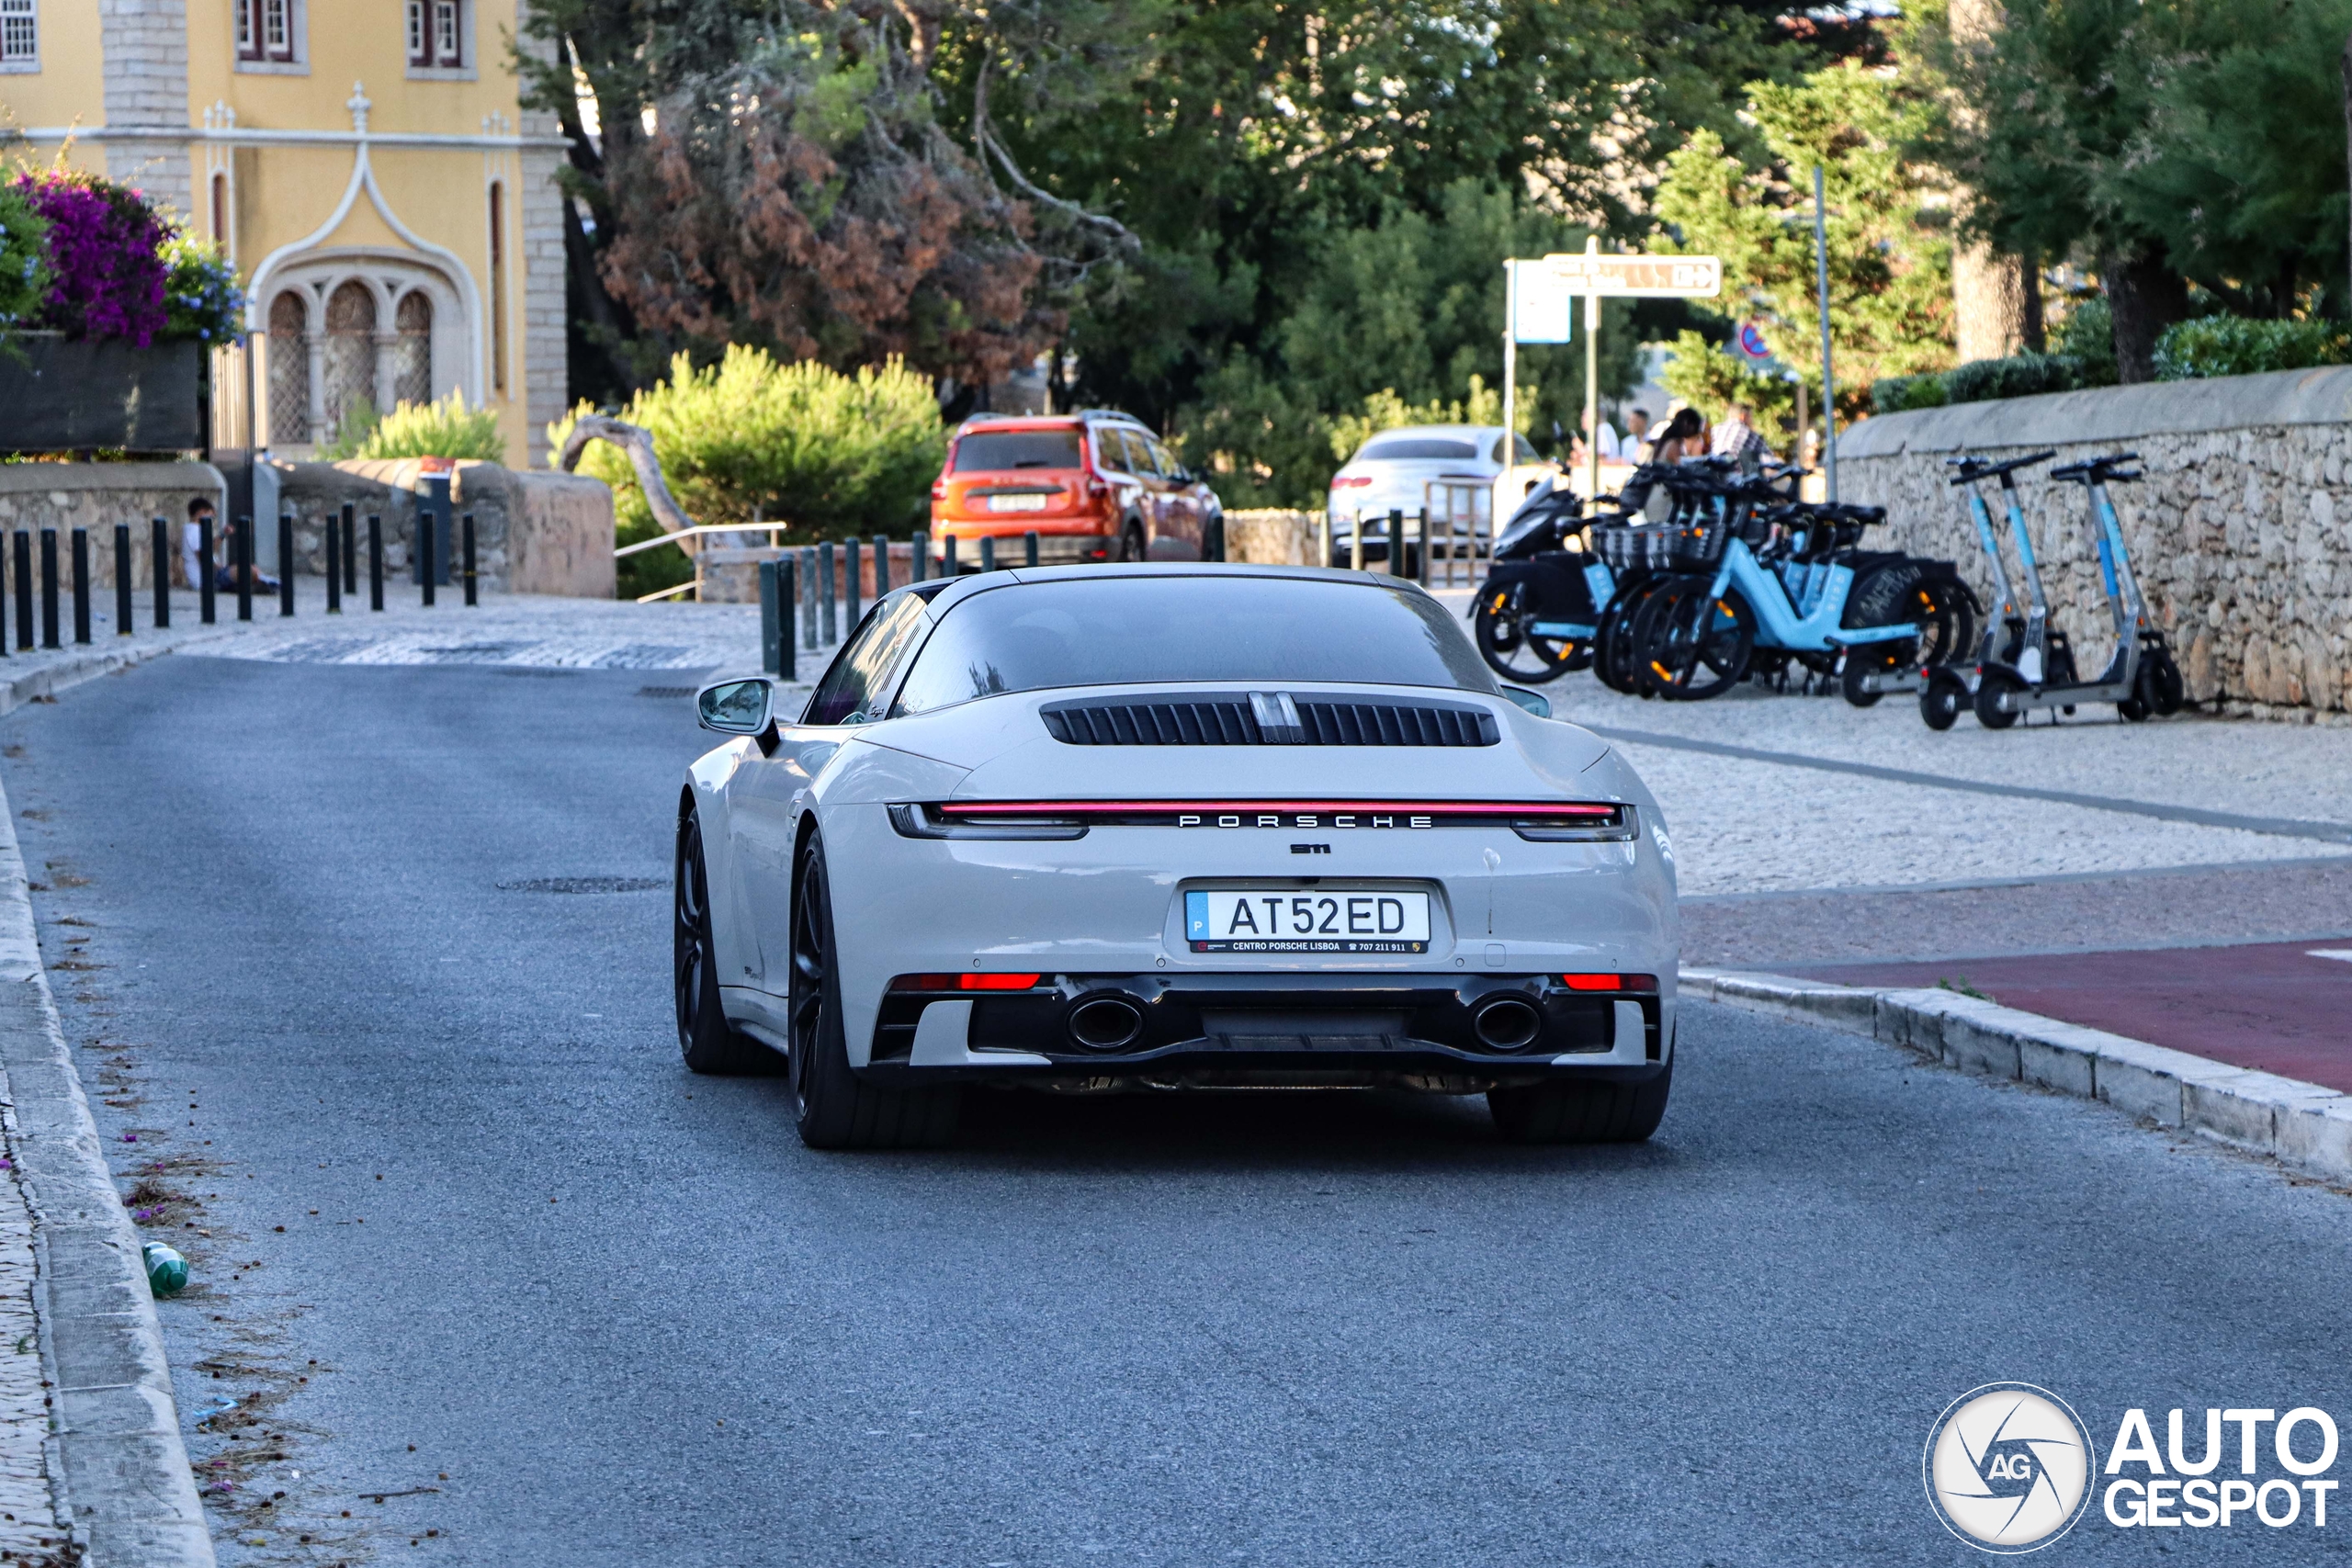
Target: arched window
412,357
351,353
290,369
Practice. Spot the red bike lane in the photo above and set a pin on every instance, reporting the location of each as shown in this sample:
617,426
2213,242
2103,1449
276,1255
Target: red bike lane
2283,1008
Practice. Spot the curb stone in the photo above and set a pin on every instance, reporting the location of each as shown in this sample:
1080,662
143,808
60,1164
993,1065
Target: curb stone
117,1465
2305,1126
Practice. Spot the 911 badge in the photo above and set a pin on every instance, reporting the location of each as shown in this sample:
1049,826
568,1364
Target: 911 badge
1219,920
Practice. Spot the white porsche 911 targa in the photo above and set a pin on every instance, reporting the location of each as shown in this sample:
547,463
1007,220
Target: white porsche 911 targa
1140,827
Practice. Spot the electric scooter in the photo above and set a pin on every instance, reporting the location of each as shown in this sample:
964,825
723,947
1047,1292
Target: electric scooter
1953,687
2042,675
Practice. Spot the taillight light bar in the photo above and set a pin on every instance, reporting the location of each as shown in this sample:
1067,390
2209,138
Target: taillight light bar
1278,812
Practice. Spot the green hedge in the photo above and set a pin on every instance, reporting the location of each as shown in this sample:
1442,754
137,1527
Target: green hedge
820,454
2234,346
1983,381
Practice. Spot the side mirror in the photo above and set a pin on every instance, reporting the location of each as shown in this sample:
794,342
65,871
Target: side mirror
1535,702
736,708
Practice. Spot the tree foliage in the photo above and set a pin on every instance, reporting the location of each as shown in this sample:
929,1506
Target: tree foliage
2165,143
1890,258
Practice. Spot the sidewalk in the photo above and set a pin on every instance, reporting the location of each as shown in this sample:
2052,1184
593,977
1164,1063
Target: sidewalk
517,630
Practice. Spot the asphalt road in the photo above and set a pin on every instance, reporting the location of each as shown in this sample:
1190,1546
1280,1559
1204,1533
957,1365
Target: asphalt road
623,1318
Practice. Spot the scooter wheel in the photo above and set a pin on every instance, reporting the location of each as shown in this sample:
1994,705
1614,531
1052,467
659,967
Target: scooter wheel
1989,712
2133,709
1859,668
2159,684
1940,700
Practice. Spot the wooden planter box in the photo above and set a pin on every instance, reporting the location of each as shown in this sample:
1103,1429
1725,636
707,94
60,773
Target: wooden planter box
57,396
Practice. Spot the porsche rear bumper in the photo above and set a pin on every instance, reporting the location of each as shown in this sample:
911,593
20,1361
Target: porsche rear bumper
1449,1032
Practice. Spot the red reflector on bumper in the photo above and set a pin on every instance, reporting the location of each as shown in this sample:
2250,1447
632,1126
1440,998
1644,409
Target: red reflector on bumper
1643,983
965,982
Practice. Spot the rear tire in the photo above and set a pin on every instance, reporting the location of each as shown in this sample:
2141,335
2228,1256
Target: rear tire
708,1043
1213,539
1581,1112
1131,544
835,1109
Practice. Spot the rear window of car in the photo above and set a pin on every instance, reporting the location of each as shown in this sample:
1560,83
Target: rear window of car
995,450
1166,628
1409,449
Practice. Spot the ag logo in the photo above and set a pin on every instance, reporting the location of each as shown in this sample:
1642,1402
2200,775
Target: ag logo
2008,1467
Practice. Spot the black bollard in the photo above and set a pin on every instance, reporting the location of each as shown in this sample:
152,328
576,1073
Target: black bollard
375,561
1029,547
1425,548
81,585
827,566
1395,543
424,547
350,555
3,596
787,599
204,590
850,582
240,565
947,555
285,563
987,552
335,563
24,588
49,588
805,581
467,525
881,565
122,626
771,621
162,552
918,565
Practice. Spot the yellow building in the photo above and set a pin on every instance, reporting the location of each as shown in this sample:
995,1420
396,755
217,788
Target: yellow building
389,203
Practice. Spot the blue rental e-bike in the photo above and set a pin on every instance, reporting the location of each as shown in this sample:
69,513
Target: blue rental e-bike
1756,589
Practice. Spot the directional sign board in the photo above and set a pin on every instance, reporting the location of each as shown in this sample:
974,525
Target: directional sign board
1542,312
1635,278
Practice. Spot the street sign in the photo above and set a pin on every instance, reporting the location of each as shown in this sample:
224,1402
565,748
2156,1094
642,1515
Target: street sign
1636,278
1542,312
1749,341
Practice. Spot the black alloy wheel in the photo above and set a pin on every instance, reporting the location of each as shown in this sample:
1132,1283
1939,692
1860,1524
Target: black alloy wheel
833,1107
709,1044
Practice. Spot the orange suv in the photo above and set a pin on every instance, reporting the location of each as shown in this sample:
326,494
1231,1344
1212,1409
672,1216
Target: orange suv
1094,486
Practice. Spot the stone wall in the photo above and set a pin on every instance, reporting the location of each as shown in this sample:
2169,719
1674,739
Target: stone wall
97,496
534,532
2241,533
1272,538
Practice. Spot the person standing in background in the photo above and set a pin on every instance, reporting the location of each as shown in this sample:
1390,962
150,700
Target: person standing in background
1635,447
199,513
1736,439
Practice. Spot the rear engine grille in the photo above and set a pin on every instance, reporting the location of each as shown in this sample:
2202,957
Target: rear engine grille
1236,721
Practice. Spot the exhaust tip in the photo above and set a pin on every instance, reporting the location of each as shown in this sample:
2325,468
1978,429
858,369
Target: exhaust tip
1107,1024
1508,1023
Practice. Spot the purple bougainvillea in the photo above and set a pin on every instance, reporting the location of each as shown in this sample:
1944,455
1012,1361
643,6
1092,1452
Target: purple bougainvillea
104,247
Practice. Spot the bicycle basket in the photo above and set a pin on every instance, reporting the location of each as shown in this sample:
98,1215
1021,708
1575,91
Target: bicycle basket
1696,548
